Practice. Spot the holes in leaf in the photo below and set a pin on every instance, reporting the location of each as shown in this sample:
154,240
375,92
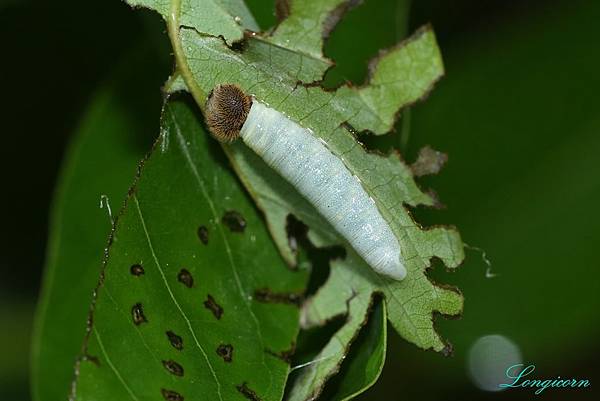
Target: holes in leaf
265,295
185,277
234,221
136,270
225,351
203,234
320,258
341,46
173,367
175,340
296,233
91,358
247,392
171,395
213,306
137,313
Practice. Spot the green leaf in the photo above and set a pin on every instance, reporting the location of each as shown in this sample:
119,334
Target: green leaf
364,362
226,18
100,161
203,304
275,70
399,77
306,23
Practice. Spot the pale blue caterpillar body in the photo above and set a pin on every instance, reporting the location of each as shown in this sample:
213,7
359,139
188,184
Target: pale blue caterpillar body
319,175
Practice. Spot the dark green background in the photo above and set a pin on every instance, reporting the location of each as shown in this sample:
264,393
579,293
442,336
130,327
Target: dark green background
518,114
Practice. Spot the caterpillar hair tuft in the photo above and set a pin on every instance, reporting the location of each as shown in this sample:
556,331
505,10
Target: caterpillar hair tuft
227,108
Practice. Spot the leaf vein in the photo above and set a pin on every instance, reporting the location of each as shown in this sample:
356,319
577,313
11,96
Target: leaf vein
187,320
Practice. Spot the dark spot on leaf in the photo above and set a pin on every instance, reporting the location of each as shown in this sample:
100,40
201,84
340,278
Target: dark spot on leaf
234,221
429,161
173,367
171,395
175,340
136,270
213,306
285,355
268,296
91,358
242,45
137,312
203,234
225,351
186,278
248,392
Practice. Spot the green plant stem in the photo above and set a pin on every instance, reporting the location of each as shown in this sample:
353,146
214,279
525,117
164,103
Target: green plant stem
180,60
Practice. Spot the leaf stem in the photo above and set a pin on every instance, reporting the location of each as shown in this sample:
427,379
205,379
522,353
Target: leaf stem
173,28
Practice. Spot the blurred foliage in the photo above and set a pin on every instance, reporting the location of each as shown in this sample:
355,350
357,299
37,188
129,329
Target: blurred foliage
99,168
516,114
54,62
523,178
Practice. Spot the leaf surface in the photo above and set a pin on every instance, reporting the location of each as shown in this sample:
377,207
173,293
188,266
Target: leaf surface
225,18
96,174
203,304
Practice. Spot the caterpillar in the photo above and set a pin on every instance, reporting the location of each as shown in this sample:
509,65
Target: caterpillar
306,163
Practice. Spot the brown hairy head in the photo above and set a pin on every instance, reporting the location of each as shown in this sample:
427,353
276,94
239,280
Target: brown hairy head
226,110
